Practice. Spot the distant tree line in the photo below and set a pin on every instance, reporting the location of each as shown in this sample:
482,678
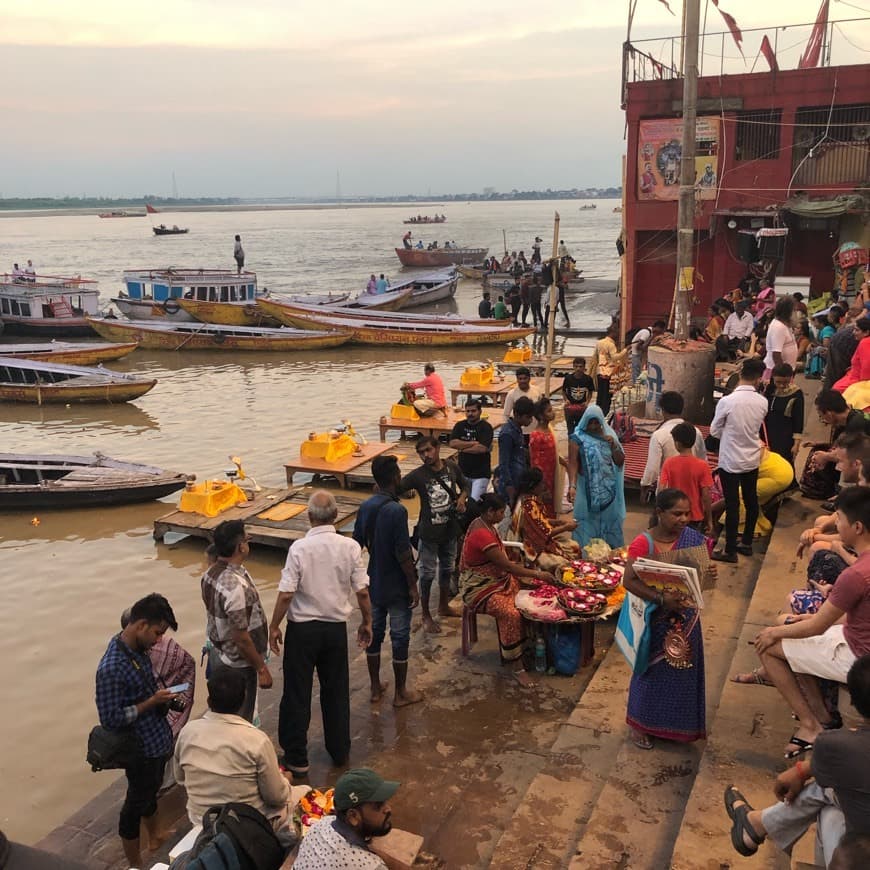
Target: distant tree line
14,203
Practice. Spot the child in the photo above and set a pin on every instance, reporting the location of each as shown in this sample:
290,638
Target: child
690,474
785,419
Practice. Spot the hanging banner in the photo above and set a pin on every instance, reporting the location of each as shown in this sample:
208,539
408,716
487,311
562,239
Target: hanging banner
659,158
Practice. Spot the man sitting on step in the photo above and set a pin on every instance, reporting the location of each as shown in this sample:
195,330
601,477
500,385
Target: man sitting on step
832,790
434,401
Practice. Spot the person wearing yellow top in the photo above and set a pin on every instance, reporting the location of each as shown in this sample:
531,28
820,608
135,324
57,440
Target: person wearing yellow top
608,359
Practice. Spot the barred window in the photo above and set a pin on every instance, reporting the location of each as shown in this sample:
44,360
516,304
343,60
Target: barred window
758,134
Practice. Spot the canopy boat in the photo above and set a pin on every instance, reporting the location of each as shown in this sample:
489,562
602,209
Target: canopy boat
38,481
121,213
363,330
154,294
43,383
211,336
440,256
248,314
392,300
47,305
174,230
289,313
425,219
68,353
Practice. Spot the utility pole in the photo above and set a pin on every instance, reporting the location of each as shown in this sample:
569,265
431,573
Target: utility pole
686,212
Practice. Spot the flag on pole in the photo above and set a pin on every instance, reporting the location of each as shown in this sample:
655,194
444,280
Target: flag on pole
813,51
150,208
732,26
769,54
665,4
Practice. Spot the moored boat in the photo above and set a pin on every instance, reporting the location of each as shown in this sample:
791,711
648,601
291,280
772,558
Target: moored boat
234,314
438,257
68,353
154,294
373,331
30,481
432,288
47,305
43,383
392,300
211,336
475,273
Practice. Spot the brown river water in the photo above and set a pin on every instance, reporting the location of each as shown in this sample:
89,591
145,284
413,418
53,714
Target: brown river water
68,578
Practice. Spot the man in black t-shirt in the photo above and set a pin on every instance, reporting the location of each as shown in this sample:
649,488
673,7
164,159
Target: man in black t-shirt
576,388
472,437
443,491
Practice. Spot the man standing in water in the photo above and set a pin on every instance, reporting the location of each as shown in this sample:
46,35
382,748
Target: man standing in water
443,491
239,255
128,698
382,528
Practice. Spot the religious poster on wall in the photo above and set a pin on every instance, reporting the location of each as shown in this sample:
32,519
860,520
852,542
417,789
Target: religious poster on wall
659,158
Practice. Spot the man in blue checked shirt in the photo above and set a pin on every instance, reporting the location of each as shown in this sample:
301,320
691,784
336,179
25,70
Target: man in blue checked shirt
128,696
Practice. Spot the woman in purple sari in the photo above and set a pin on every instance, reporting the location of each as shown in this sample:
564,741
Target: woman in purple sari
667,699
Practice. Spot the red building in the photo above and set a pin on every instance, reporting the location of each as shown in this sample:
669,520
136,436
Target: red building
775,150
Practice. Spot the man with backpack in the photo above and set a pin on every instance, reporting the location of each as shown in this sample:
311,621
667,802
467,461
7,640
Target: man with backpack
382,528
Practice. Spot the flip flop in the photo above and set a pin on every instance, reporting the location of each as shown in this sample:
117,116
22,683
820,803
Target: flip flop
641,741
802,747
755,678
740,827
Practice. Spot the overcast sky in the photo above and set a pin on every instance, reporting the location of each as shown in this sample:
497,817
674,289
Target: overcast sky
273,97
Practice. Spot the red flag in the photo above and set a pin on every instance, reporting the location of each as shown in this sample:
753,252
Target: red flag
813,51
665,4
732,26
769,55
658,69
150,209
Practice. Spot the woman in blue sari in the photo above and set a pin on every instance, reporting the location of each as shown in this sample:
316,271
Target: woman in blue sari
595,477
667,700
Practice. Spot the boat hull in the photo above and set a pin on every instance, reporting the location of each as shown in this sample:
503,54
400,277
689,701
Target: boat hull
432,294
72,393
150,309
471,272
390,301
440,257
167,339
226,313
158,231
69,354
61,327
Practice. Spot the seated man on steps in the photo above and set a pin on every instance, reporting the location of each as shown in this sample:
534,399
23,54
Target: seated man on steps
832,790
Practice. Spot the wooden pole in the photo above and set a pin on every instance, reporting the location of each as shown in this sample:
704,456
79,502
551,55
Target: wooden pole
686,211
504,239
551,320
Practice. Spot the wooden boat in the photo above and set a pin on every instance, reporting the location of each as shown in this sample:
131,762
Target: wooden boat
440,256
392,300
121,213
42,383
373,331
211,336
39,481
588,207
47,305
164,230
432,288
476,273
68,353
425,219
247,313
286,312
154,294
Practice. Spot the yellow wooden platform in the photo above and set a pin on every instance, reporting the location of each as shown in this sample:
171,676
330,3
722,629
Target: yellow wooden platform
339,470
537,365
255,515
404,451
437,424
496,391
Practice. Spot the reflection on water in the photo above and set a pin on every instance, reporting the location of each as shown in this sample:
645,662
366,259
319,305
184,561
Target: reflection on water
71,576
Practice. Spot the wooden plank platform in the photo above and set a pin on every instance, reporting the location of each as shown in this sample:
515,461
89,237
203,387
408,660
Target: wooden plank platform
320,468
498,391
537,365
436,425
404,451
271,533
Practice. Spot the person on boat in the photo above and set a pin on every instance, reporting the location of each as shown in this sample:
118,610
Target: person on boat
381,284
17,273
372,286
406,240
239,255
434,401
30,272
522,258
419,245
563,249
484,307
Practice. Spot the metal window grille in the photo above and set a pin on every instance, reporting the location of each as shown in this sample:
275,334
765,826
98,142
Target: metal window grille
758,135
831,146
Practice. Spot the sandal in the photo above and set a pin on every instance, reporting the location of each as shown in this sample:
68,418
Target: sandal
722,556
640,740
740,827
732,795
802,747
754,677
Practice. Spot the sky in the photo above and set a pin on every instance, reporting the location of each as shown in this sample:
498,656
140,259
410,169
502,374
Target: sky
270,98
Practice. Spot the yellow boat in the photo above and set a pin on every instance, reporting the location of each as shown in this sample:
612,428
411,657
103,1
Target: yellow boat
69,353
208,336
381,332
247,313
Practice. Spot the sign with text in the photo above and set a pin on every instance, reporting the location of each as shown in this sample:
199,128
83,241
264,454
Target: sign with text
659,158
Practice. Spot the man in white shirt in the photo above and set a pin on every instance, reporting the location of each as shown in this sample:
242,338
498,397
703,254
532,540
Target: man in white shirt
780,341
737,425
640,343
661,444
223,758
322,574
524,387
739,325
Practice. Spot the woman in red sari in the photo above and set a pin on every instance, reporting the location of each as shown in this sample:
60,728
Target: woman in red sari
544,454
488,581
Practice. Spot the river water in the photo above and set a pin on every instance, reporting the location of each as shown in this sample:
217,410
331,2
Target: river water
68,575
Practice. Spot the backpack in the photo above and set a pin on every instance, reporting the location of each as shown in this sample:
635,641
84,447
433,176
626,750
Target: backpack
623,425
234,837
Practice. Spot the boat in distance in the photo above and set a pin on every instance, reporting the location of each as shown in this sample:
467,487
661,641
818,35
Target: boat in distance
69,353
121,213
374,331
45,383
163,230
426,219
30,481
152,335
247,313
438,257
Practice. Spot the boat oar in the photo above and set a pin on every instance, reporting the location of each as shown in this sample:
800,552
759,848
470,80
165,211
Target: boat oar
192,334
